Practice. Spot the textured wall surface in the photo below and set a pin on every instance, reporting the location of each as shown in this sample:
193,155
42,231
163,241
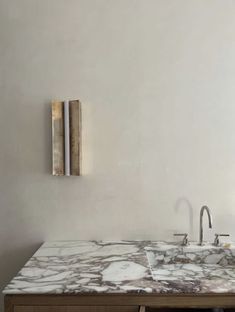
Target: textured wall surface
156,79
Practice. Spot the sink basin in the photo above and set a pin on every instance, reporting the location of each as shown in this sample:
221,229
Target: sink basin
171,262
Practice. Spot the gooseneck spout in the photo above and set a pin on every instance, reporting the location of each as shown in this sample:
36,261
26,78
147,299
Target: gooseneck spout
201,222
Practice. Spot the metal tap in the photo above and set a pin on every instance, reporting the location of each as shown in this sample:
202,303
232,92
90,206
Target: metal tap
201,222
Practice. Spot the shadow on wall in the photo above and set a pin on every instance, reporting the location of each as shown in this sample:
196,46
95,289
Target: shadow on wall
18,238
11,261
184,204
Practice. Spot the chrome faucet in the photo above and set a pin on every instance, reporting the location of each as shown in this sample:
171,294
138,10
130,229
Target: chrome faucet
201,223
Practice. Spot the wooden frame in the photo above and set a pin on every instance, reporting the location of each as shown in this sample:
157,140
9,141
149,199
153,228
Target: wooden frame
148,300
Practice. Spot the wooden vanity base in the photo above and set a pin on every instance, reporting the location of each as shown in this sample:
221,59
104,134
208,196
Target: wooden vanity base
114,302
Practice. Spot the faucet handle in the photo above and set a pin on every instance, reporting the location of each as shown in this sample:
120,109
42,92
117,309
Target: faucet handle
216,241
185,239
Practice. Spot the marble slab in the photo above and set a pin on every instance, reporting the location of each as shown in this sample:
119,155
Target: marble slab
73,267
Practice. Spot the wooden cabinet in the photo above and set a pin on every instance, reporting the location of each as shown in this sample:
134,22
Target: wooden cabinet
118,302
77,309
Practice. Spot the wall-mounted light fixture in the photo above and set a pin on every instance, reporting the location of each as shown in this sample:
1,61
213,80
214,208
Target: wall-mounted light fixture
66,138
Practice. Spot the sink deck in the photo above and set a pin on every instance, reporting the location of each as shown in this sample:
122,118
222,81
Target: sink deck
207,264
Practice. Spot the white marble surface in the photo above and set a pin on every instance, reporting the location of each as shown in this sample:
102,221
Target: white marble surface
122,267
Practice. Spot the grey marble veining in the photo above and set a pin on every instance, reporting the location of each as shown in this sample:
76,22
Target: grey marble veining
123,267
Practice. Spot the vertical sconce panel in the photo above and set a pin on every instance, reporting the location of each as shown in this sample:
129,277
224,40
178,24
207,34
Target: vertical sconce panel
66,138
57,138
75,137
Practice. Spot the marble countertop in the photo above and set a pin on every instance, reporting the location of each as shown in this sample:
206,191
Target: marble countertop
71,267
